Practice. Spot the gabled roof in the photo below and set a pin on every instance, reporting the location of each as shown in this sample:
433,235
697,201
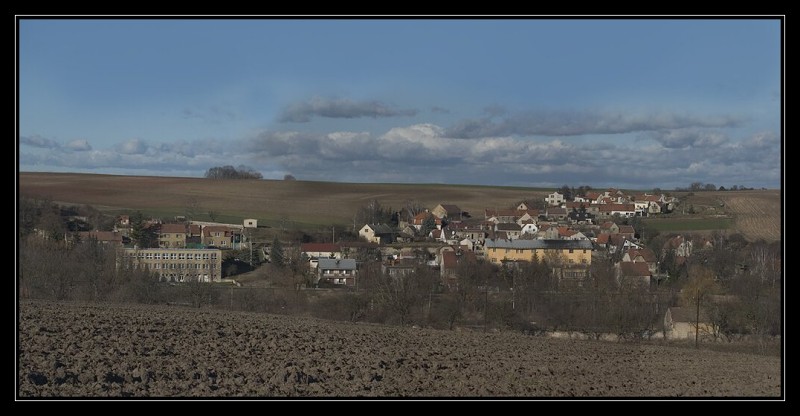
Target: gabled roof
508,226
194,229
617,207
626,229
603,238
607,225
101,236
556,211
337,264
647,254
450,259
500,213
451,209
381,229
593,195
632,269
617,239
320,248
540,244
207,230
566,232
173,228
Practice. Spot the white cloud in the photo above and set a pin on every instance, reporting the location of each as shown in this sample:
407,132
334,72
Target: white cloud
79,145
132,147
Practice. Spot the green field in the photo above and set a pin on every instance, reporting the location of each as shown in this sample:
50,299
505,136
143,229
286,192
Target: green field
689,224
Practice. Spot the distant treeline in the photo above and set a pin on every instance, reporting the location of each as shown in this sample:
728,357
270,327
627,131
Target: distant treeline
699,186
230,172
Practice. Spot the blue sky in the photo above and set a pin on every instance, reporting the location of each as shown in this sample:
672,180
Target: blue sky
631,103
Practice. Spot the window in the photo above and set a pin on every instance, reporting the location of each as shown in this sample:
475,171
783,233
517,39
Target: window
149,256
190,256
571,250
173,256
157,256
181,256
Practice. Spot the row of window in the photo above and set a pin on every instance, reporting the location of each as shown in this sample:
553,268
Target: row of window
180,266
522,250
173,256
172,277
335,272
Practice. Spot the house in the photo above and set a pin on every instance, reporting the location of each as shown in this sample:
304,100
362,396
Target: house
511,229
527,217
175,264
113,238
501,215
316,251
451,212
554,199
609,227
626,230
526,206
574,235
556,213
633,274
681,246
336,273
399,267
530,229
250,223
451,258
566,251
580,217
377,233
608,210
171,235
644,255
419,220
194,236
602,240
681,323
218,236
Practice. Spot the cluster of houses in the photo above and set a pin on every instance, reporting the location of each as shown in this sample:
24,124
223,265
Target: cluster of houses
564,232
567,234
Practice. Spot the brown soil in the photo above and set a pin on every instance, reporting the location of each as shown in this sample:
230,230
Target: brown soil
96,351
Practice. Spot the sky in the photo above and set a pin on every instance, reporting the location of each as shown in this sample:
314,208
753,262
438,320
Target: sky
633,103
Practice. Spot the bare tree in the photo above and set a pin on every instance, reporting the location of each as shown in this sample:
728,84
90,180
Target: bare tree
696,293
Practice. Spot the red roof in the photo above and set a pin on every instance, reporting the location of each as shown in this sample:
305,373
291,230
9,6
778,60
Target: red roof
603,238
646,254
626,229
173,228
207,230
634,269
101,236
320,248
617,207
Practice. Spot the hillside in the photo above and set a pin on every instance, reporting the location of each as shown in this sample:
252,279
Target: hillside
303,203
756,214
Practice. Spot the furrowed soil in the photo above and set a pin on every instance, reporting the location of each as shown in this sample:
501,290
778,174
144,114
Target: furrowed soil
77,350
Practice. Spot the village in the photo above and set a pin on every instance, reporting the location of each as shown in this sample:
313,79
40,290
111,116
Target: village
564,232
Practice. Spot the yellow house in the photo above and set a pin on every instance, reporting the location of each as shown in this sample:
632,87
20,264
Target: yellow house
172,236
575,252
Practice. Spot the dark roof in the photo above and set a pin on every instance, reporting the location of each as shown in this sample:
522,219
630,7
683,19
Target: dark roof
540,244
337,264
626,229
508,226
382,229
451,209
